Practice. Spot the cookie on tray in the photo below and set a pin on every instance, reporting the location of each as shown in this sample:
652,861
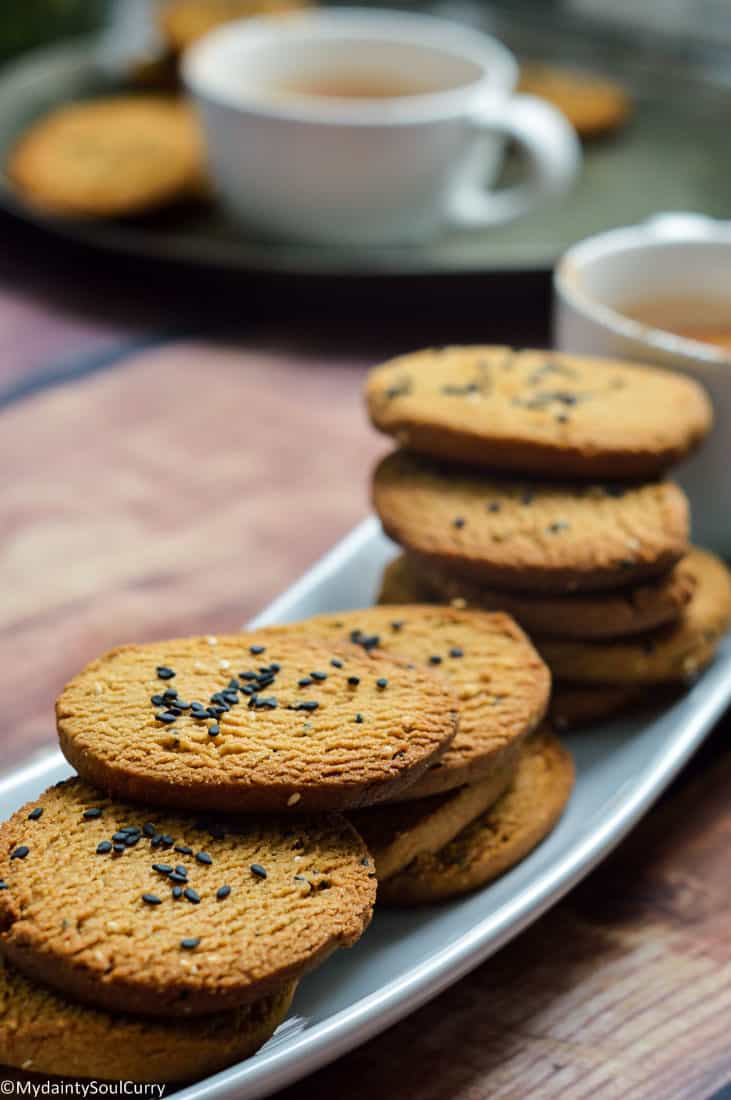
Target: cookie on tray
593,104
539,413
675,654
395,834
497,839
501,685
253,723
141,910
110,157
41,1031
183,22
618,613
531,536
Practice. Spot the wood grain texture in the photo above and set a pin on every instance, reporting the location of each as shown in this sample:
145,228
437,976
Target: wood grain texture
178,492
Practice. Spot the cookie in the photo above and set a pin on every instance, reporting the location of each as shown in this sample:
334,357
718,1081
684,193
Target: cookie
674,654
140,910
497,839
576,705
183,22
43,1032
501,685
619,613
531,536
539,413
109,157
247,723
396,834
592,104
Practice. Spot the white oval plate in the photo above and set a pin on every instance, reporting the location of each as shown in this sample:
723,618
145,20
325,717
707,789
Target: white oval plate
407,957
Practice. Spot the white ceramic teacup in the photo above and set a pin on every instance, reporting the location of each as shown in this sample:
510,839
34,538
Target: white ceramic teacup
684,261
360,170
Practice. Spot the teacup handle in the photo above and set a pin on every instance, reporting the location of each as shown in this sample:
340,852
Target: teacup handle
554,159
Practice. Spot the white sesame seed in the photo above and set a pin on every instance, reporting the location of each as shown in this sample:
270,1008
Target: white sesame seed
293,799
98,689
224,664
212,639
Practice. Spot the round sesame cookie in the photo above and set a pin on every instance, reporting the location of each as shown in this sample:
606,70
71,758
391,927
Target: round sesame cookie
141,910
537,412
592,104
674,654
249,722
496,840
501,685
618,613
43,1032
183,22
531,536
395,834
110,157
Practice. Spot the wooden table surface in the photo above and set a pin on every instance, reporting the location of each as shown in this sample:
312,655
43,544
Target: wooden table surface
154,484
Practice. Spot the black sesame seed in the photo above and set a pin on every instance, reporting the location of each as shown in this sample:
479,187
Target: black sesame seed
190,943
435,659
156,841
255,650
175,877
151,899
131,839
258,870
233,685
354,681
269,703
103,847
359,718
164,673
248,689
3,884
216,712
458,522
119,848
214,730
558,525
382,682
177,892
320,676
203,857
35,814
183,850
168,841
166,716
455,651
157,700
231,697
223,892
120,837
247,676
170,693
191,895
309,705
275,667
397,624
336,663
162,868
148,829
180,704
91,813
365,861
180,870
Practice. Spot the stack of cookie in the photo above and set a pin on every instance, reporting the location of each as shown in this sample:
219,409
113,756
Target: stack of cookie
176,890
534,483
175,893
